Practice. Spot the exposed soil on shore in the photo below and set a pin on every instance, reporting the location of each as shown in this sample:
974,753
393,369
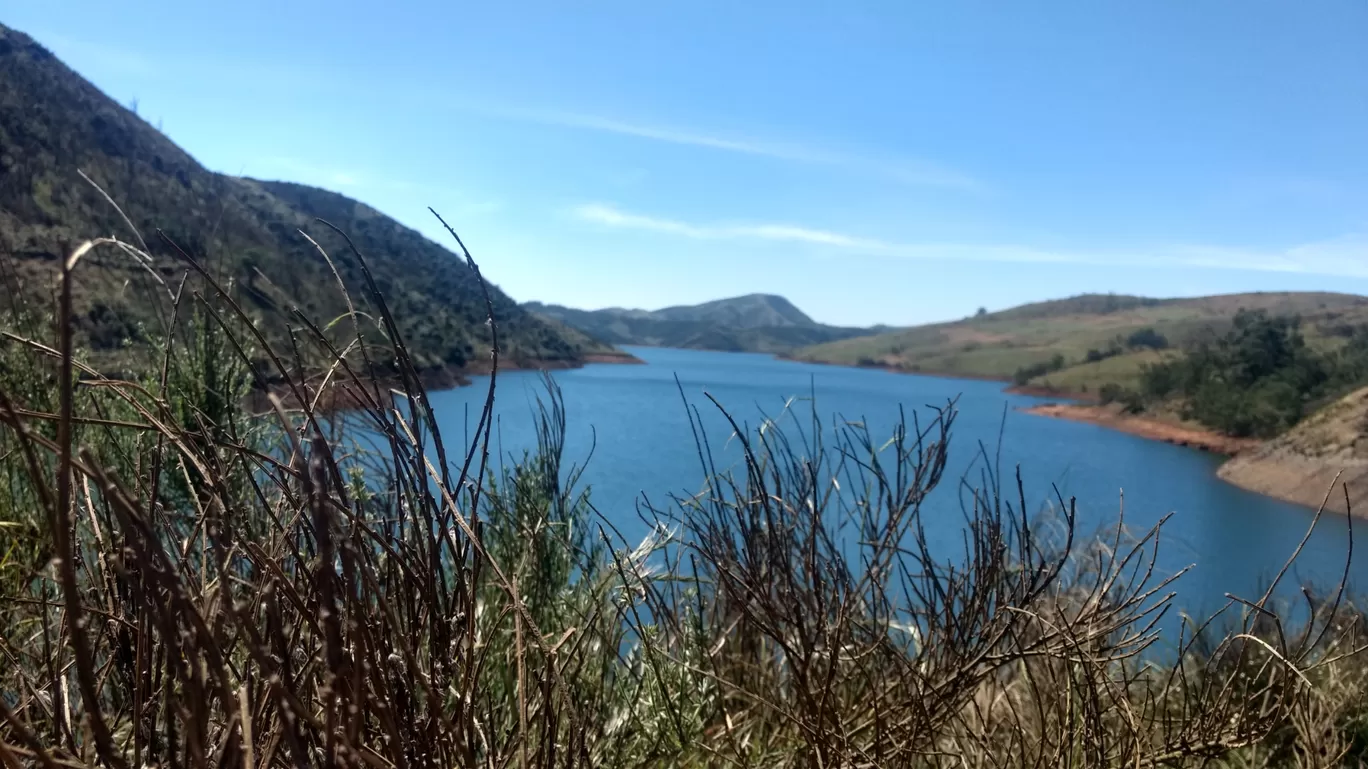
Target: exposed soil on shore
1328,449
477,369
344,395
1146,427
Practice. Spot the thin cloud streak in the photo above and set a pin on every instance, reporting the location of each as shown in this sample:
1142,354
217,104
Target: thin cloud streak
903,170
1346,256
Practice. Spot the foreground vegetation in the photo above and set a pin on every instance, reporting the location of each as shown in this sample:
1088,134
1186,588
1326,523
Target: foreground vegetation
190,582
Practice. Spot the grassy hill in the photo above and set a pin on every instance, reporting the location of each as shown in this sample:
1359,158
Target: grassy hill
751,323
1030,339
54,123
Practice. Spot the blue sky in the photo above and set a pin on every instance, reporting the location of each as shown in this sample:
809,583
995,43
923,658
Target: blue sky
890,162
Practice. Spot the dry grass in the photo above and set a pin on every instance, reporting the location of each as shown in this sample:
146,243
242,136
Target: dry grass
187,583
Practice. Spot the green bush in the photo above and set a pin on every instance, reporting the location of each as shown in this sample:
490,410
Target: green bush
1027,373
1110,392
1255,380
1131,401
1147,338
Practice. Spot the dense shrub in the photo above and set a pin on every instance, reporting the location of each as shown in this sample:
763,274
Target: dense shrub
1112,350
109,327
1255,380
1131,401
1147,338
1110,392
1027,373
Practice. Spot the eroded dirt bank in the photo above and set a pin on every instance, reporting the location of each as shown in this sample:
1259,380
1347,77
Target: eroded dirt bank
1298,467
1146,427
1329,448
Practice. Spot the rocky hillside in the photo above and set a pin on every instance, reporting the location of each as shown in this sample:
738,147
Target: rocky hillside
751,323
1301,465
54,124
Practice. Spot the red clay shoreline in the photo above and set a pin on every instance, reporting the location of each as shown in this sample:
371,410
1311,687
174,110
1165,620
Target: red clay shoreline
433,379
1145,427
484,367
1085,408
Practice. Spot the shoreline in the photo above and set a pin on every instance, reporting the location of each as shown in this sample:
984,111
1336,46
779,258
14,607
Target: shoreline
1147,427
343,394
909,372
1086,409
1306,481
483,367
1266,468
1247,468
1034,391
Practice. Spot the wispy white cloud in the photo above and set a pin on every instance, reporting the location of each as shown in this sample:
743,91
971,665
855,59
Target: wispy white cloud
1346,256
908,171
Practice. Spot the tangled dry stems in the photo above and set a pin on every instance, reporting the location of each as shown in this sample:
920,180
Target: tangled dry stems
190,583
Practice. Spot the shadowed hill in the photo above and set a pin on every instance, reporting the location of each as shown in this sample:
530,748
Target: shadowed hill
751,323
53,123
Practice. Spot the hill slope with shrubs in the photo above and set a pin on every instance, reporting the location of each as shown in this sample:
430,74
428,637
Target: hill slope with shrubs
1077,344
56,127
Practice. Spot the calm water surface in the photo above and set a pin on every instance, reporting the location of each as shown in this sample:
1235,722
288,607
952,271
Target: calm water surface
635,420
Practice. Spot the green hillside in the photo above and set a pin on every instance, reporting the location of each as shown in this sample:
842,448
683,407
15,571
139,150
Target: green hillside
749,311
53,123
751,323
1026,342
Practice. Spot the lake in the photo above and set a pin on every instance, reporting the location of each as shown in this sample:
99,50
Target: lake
635,420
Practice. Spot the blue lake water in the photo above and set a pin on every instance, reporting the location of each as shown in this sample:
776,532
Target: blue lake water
636,422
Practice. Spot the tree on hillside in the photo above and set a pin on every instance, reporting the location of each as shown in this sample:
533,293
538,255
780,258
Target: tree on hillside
1147,337
1255,380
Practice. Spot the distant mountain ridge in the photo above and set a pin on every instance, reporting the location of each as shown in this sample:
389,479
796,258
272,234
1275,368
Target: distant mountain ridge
749,311
54,123
750,323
